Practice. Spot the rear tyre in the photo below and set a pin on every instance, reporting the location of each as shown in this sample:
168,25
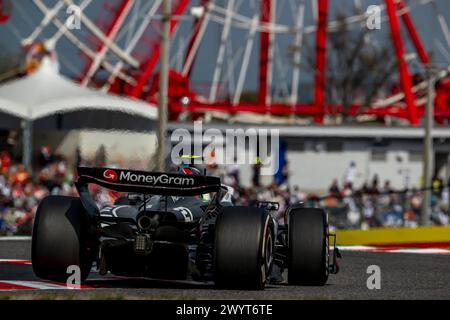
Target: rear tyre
61,239
308,247
244,242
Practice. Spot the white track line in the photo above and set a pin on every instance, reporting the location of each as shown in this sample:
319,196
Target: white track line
17,238
37,285
15,261
395,250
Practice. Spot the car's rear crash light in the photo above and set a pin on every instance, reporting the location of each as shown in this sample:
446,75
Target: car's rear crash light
142,244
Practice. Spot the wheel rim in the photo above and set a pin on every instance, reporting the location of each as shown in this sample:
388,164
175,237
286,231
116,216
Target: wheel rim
266,252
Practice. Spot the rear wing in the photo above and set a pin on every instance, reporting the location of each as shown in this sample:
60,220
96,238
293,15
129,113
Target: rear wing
160,183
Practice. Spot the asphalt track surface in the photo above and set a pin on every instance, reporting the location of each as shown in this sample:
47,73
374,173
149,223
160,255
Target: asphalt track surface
403,276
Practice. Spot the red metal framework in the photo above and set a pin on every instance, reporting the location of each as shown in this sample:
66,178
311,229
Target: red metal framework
5,10
112,27
321,58
264,51
405,76
423,55
140,78
149,65
147,79
405,109
198,24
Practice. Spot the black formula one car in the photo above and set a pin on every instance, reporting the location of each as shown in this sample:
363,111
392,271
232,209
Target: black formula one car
178,226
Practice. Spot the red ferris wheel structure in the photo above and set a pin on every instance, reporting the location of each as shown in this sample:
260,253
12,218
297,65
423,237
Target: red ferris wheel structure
121,46
5,10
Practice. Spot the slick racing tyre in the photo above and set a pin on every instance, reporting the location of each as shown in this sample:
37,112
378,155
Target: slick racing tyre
244,244
60,239
308,247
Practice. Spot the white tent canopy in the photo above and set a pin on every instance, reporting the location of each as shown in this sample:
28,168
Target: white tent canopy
47,100
47,93
13,108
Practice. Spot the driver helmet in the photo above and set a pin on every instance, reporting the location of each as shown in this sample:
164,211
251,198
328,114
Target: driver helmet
190,171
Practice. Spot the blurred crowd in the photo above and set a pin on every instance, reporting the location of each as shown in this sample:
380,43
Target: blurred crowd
372,205
21,192
383,206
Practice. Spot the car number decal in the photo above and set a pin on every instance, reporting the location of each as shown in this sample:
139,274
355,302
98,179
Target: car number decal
187,214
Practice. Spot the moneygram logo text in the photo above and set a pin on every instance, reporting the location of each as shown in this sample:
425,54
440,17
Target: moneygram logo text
162,179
